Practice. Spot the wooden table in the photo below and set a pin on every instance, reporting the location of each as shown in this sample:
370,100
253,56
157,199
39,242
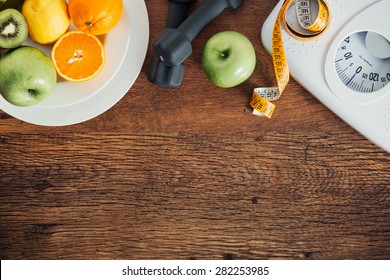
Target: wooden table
190,173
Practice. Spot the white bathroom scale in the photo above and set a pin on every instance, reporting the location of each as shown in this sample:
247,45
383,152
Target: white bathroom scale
347,67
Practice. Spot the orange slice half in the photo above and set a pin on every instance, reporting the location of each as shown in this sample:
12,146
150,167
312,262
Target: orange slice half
78,56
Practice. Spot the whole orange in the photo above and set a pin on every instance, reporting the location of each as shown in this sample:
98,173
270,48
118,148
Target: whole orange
95,17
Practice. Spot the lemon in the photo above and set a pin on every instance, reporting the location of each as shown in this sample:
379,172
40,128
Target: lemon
47,20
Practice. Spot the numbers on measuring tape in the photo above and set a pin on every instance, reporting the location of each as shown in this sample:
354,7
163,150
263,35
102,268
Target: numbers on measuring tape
304,13
262,98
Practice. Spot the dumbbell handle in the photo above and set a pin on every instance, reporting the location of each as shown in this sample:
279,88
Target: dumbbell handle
199,19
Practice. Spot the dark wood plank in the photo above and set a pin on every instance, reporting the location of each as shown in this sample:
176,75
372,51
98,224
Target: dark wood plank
193,196
189,173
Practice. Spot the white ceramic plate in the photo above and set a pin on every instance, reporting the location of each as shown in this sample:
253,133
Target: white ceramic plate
72,103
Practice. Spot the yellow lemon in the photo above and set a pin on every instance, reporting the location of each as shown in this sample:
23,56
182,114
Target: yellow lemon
47,20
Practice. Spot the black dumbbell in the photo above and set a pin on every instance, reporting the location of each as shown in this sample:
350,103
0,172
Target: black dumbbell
173,46
160,73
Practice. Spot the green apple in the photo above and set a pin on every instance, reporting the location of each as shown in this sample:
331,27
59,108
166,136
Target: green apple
27,76
228,59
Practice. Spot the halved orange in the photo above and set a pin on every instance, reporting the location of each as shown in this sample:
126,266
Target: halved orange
78,56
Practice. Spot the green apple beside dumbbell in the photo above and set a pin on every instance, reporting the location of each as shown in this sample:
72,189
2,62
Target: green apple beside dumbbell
228,59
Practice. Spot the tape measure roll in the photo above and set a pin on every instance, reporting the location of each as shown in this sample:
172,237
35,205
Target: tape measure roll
309,28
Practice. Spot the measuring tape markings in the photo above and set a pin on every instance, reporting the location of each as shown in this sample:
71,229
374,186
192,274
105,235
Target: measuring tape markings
262,98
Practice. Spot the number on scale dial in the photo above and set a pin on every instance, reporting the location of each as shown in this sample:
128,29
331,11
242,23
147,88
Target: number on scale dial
361,67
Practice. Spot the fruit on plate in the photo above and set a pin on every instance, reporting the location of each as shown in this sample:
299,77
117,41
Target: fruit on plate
13,29
47,19
27,76
95,17
78,56
228,59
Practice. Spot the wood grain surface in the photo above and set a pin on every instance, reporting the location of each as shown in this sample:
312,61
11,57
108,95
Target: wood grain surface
190,173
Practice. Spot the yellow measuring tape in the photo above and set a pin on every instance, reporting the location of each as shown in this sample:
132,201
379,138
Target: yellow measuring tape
310,27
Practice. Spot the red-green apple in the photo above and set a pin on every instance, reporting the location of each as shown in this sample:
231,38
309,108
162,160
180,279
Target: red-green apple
228,59
27,76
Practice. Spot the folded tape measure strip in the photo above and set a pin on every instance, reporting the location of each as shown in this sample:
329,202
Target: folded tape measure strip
262,97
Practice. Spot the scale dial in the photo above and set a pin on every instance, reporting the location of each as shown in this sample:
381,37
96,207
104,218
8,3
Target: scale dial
360,67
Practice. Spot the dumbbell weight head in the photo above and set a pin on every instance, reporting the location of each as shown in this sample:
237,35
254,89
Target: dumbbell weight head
164,75
177,13
172,46
159,72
